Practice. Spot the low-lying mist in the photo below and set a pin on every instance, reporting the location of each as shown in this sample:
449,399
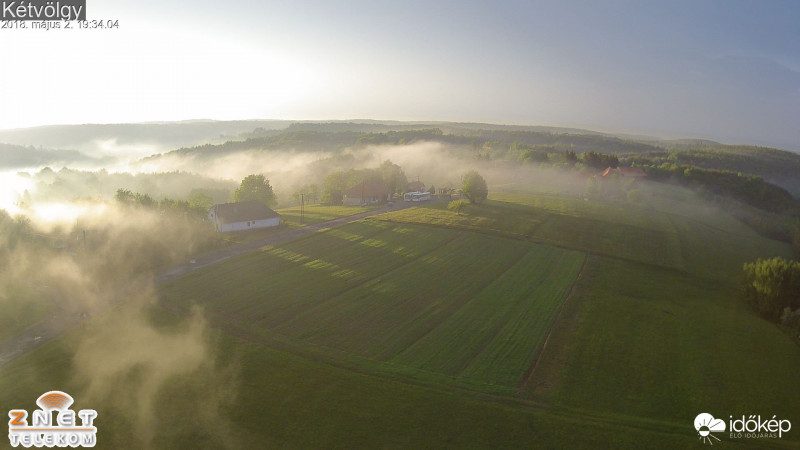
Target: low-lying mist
434,163
69,250
98,274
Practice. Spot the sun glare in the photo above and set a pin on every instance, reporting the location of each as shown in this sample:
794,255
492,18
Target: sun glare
12,188
65,213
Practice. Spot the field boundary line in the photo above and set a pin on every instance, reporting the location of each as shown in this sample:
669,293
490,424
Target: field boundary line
347,289
497,332
529,373
539,241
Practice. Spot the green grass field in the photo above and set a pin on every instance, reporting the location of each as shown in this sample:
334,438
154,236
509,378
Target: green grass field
21,307
534,320
687,236
281,400
563,222
646,342
319,213
454,303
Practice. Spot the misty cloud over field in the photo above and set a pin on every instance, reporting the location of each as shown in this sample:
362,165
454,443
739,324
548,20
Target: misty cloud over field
174,175
434,163
97,273
71,250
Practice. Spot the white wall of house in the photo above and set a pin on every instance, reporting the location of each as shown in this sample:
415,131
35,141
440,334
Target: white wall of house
250,225
357,201
351,201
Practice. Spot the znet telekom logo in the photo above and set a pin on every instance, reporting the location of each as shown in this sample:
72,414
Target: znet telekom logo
43,433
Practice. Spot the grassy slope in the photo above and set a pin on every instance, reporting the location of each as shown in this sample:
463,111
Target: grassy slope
562,221
485,310
679,234
663,341
637,352
644,342
319,213
21,307
287,401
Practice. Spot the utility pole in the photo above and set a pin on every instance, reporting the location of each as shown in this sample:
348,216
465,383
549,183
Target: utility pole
302,208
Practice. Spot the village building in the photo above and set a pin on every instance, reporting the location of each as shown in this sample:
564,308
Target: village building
415,186
415,192
366,193
627,172
242,216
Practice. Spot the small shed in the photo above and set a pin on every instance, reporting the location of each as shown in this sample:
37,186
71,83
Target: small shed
242,216
366,193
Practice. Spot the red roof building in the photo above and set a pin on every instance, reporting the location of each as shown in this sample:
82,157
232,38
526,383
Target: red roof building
366,193
415,186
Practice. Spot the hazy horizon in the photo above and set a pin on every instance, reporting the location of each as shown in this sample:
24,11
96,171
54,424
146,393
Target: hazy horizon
723,71
620,132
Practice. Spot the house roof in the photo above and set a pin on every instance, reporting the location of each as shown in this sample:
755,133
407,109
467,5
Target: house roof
367,189
415,186
242,212
633,172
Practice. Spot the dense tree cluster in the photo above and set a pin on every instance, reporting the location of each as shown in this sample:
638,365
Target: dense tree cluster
307,193
187,208
255,188
474,188
389,174
749,189
69,184
772,286
768,163
13,231
599,160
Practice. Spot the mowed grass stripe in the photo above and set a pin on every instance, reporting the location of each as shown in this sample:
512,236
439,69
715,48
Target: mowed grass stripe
451,347
504,324
383,316
331,273
243,285
309,322
626,232
624,214
661,248
267,288
374,289
510,353
711,253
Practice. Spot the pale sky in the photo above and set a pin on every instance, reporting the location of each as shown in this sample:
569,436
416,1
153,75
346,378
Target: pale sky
725,70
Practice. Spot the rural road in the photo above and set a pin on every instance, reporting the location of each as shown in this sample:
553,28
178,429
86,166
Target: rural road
222,255
57,324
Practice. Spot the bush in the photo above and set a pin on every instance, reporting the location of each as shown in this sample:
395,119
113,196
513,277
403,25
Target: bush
457,205
634,196
475,187
771,285
791,319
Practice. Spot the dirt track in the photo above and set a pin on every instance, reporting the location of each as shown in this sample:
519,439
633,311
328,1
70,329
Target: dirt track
57,324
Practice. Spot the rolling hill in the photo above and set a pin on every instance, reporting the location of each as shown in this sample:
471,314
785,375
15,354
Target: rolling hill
532,320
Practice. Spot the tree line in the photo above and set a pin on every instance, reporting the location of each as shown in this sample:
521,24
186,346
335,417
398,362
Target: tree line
388,174
772,287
